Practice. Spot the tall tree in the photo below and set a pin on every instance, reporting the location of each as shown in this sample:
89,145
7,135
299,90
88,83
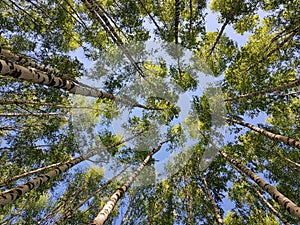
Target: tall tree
10,195
290,206
278,137
109,206
13,70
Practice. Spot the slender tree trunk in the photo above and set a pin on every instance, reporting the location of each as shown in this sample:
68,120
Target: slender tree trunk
115,197
212,202
69,212
191,15
31,114
176,33
289,141
11,195
189,206
226,22
33,20
17,71
150,16
51,213
99,13
291,84
176,19
294,94
265,201
286,203
11,128
218,37
297,165
28,173
127,210
281,44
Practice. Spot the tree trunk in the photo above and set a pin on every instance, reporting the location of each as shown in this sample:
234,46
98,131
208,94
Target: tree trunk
26,62
280,45
176,19
291,84
212,202
98,12
11,128
11,195
114,198
294,94
28,173
32,76
297,165
289,141
218,37
189,206
69,212
191,16
286,203
31,114
150,16
265,201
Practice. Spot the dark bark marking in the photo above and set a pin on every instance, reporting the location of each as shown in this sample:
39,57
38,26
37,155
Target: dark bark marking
19,193
62,82
51,80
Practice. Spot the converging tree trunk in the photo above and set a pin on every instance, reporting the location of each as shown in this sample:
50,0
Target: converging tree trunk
265,201
69,212
189,206
212,202
115,197
286,203
13,70
218,37
289,141
99,14
279,46
176,20
283,87
150,16
31,114
26,62
297,165
11,195
6,181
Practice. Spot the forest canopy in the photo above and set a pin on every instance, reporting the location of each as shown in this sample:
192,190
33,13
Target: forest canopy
150,112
